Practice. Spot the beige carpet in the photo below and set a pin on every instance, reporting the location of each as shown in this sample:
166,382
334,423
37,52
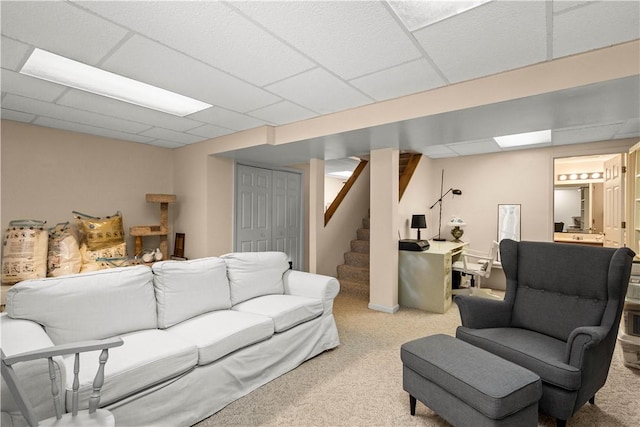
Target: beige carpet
360,382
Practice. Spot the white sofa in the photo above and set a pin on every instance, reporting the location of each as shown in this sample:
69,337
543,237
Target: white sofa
197,334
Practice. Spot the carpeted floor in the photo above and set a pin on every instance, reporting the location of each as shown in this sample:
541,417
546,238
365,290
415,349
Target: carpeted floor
360,382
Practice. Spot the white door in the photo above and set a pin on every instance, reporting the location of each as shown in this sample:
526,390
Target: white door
269,212
253,209
614,202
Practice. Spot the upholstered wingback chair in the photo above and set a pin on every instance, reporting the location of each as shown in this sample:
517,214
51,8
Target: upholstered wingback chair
559,318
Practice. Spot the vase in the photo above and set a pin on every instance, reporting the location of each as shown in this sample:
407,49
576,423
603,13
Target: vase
457,233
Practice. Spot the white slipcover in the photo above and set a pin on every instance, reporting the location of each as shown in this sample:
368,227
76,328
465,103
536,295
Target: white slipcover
96,305
286,311
185,289
221,332
253,274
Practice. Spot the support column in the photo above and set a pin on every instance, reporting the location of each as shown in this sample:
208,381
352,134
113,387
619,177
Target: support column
316,210
384,231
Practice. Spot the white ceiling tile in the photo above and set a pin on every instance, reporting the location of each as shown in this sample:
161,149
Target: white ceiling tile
438,151
489,39
338,34
320,92
225,39
17,116
112,107
92,130
61,28
596,25
475,147
405,79
210,131
13,53
165,144
630,126
54,111
142,59
173,136
282,113
563,5
227,119
31,87
580,134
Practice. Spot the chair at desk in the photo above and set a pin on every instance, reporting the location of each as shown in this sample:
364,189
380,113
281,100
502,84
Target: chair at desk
477,265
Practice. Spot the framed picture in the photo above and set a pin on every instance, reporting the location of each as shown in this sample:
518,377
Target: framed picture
178,246
509,222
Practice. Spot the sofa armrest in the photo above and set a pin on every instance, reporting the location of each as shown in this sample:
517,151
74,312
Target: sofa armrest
310,285
580,341
19,336
480,313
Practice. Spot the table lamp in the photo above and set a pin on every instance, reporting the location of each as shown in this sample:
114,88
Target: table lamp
418,221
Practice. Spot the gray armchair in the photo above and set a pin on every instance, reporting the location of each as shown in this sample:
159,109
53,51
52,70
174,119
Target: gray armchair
559,318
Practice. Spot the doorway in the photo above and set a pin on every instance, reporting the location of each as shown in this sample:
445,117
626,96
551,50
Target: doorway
268,212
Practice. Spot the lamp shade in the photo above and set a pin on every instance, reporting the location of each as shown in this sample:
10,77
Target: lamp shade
418,221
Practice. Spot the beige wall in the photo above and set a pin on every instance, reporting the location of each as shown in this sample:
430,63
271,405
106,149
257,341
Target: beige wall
48,173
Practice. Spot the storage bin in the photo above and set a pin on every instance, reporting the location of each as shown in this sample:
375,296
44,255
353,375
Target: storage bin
630,350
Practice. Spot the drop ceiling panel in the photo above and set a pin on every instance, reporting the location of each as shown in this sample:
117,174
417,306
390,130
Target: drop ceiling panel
41,108
172,136
320,92
16,115
209,131
19,84
491,38
92,130
475,147
112,107
412,77
585,134
165,144
338,35
282,113
223,36
13,53
142,59
227,119
61,28
595,25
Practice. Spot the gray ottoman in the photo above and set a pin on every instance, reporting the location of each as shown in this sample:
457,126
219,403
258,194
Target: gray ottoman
468,386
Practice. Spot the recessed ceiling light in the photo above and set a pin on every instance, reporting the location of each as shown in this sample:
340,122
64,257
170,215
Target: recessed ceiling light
418,14
58,69
528,138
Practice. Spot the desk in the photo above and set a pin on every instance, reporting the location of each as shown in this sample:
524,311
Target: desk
424,278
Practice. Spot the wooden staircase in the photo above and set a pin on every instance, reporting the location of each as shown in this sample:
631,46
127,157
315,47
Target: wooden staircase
353,275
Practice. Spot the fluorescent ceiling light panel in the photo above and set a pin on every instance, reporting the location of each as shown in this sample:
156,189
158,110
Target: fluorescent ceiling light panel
521,139
58,69
418,14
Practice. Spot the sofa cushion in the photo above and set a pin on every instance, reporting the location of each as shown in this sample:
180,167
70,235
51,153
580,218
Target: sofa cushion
286,311
95,305
537,352
145,359
253,274
221,332
185,289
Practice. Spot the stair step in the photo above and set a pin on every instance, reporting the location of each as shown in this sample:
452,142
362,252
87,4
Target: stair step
366,222
358,259
363,234
361,246
354,288
353,274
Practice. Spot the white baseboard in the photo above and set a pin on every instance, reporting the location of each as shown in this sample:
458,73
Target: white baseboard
383,308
